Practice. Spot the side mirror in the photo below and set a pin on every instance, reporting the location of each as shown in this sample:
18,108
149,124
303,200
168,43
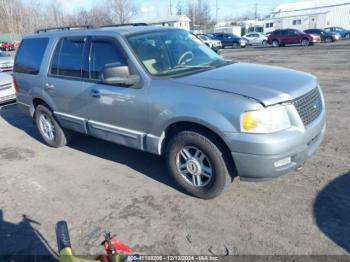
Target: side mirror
118,75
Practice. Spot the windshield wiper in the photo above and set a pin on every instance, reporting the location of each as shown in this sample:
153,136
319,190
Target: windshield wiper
220,62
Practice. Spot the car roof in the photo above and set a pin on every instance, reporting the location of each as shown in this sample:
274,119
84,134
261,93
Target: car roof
121,30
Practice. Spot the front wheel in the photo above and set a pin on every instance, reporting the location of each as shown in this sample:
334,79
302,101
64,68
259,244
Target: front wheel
197,163
347,36
305,42
264,43
50,130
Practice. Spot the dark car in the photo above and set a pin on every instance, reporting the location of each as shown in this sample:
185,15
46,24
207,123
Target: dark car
231,40
343,32
292,36
324,35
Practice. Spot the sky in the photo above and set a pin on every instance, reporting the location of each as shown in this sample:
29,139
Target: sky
157,8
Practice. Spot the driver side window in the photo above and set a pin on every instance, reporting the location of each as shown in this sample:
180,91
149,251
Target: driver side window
104,53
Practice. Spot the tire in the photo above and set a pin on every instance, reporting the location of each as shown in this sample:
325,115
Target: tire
213,156
235,45
47,125
347,36
264,43
305,42
275,43
329,39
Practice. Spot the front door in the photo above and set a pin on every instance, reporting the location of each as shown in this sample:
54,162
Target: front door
116,113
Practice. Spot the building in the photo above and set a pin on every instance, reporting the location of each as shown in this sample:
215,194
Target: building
233,29
179,21
240,27
254,25
309,14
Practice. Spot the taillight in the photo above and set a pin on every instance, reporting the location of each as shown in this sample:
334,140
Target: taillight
15,85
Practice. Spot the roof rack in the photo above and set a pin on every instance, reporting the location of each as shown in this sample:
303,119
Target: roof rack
130,24
64,28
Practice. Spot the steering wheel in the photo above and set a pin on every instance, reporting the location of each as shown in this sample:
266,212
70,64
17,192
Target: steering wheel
183,56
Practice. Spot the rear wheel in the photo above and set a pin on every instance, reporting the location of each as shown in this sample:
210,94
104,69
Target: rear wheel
197,163
50,130
275,43
264,43
328,39
347,36
305,42
235,45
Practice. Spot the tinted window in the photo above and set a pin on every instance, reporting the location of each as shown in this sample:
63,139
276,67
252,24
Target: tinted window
68,57
104,53
30,55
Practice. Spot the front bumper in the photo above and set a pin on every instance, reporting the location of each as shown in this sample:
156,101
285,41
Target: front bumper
316,41
260,155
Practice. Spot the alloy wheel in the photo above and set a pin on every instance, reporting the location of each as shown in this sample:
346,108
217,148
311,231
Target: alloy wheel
47,127
194,166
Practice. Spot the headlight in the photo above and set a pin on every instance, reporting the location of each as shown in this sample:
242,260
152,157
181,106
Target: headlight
268,120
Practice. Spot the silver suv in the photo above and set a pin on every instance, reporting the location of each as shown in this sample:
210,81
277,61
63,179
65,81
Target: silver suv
162,91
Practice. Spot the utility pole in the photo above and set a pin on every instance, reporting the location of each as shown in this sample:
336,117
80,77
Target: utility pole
255,15
170,8
216,11
194,13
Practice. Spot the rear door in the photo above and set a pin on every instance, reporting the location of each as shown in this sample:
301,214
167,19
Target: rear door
255,40
64,82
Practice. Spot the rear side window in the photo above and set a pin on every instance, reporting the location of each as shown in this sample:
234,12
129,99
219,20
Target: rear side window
68,57
30,55
105,53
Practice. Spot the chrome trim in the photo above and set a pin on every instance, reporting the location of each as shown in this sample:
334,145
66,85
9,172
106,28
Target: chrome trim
116,130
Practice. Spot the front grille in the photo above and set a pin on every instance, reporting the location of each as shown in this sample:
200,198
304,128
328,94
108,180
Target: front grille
309,106
5,86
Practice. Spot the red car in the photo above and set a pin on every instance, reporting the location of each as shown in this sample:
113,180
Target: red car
292,36
6,46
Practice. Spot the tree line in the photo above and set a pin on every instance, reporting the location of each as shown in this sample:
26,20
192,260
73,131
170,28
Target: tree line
19,16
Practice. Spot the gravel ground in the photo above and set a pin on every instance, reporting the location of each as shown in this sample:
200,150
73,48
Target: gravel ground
98,186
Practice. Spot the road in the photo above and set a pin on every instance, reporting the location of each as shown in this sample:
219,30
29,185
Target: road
98,186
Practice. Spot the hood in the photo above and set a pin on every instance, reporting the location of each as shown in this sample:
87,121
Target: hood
266,84
6,59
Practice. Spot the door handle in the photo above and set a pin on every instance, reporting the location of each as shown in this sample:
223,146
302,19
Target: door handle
95,93
49,87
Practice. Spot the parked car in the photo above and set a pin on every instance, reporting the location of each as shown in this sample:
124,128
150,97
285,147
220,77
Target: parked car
207,41
230,40
217,43
256,38
343,32
6,46
292,36
6,62
160,90
324,35
7,90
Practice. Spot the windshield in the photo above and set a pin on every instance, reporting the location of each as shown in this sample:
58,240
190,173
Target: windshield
173,52
203,37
